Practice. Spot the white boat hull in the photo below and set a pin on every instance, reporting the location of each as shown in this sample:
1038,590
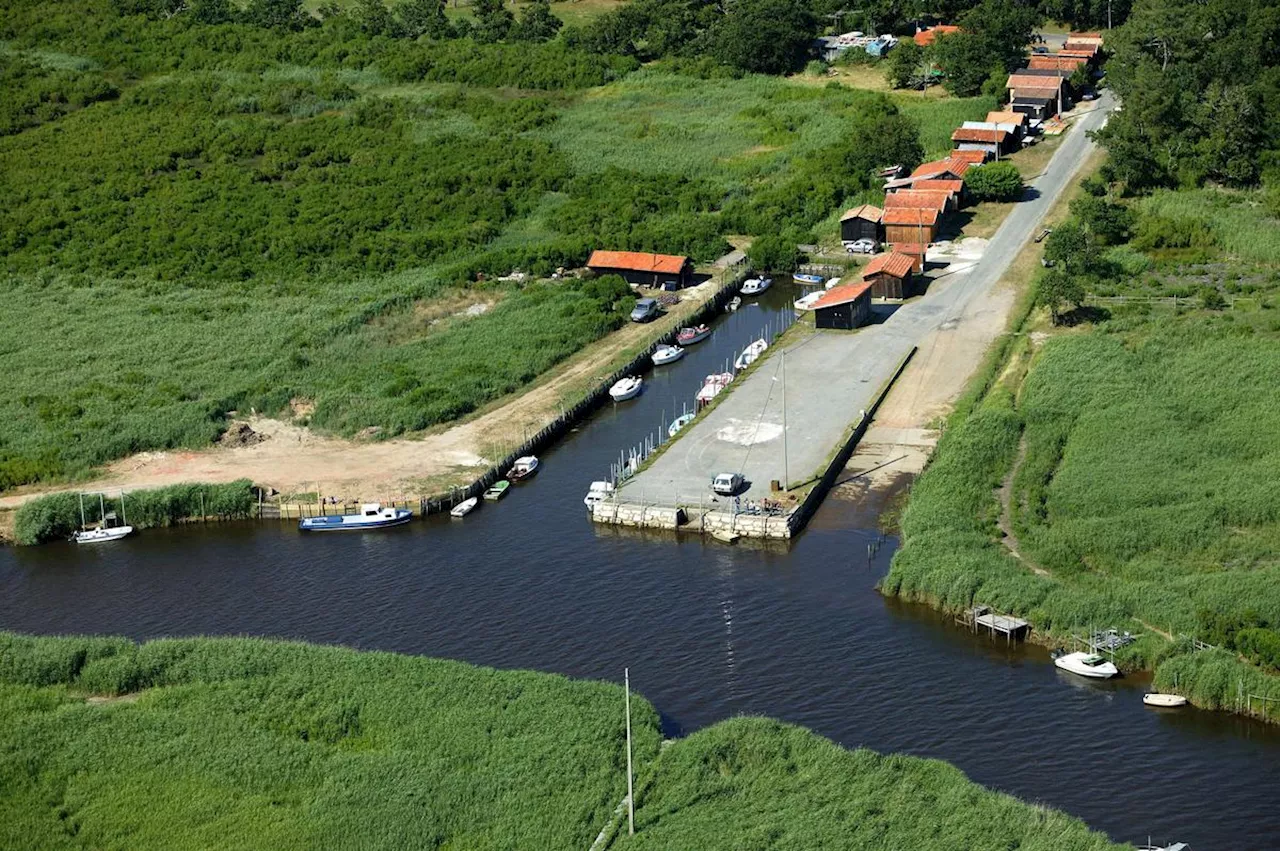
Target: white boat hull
102,536
1074,663
465,507
626,389
678,423
755,286
1164,700
667,354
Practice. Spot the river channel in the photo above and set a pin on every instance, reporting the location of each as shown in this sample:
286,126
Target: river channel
794,631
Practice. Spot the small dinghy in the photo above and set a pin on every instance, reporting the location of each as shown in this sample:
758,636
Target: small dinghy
679,423
1164,700
465,507
372,516
667,354
808,280
598,492
712,387
626,388
725,536
735,302
1087,665
755,286
807,301
689,336
832,284
523,468
751,353
497,490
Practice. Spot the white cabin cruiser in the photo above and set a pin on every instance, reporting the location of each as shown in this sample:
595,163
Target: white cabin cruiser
1087,665
626,388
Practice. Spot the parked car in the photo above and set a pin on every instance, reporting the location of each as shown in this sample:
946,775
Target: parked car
861,246
1089,96
727,484
646,309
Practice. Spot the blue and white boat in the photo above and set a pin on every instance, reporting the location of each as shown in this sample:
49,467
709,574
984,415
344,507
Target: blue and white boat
372,516
807,279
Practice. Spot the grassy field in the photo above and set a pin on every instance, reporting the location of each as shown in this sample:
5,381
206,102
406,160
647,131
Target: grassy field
203,219
1139,454
243,743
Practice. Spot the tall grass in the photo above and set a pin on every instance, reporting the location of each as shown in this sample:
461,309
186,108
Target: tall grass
938,118
239,743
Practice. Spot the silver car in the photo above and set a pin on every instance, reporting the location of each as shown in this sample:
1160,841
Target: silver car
861,246
727,484
645,310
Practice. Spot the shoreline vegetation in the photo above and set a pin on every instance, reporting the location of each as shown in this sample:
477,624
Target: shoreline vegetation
291,745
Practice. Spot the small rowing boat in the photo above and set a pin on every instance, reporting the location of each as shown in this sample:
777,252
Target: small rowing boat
497,490
1164,700
755,286
465,507
689,336
679,423
372,516
626,388
735,302
523,468
667,354
807,301
808,280
751,353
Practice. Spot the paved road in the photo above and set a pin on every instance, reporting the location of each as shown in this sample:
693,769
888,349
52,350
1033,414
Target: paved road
831,377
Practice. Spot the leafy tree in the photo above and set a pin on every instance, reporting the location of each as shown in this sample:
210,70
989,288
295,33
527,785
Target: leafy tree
212,11
416,18
907,68
774,253
1087,14
1211,298
1058,290
1073,249
1109,222
993,35
278,14
537,23
374,17
766,36
965,61
494,20
994,182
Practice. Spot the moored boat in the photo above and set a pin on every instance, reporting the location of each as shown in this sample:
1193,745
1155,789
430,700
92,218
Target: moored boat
1164,700
626,388
807,279
735,302
523,468
101,534
807,301
755,286
751,353
598,492
679,423
497,490
667,354
372,516
1087,665
712,387
465,507
689,336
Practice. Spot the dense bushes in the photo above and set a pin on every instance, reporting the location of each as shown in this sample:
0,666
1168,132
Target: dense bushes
48,518
34,95
994,182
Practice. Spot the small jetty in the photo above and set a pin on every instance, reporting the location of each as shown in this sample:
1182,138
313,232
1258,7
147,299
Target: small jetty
985,618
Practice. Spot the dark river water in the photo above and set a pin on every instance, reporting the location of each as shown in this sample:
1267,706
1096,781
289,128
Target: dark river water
795,631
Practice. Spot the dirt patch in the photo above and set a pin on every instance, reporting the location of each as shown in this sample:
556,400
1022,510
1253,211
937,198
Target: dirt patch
108,700
240,434
1007,538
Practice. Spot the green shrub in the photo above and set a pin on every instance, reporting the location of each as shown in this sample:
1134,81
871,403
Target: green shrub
994,182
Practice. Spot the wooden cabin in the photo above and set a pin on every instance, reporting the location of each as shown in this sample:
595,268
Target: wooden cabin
889,275
862,223
844,308
911,224
643,269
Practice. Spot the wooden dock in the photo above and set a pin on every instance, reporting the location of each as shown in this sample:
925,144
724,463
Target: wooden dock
986,618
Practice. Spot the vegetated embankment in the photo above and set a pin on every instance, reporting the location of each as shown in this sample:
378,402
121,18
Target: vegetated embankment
244,743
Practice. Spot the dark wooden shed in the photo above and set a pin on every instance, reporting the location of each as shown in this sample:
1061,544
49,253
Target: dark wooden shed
889,275
844,308
862,223
642,268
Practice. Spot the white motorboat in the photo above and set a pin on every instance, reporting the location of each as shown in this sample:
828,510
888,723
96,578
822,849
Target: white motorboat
101,534
626,388
107,529
751,353
465,507
679,423
523,468
689,336
1164,700
755,286
735,302
712,387
807,301
598,492
372,516
832,284
1087,665
667,354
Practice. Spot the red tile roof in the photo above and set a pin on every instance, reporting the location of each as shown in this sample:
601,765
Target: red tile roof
1005,116
974,157
957,167
893,263
933,184
973,134
637,261
909,248
911,216
917,198
1084,51
1033,81
1066,63
1095,37
870,212
926,37
1035,93
842,294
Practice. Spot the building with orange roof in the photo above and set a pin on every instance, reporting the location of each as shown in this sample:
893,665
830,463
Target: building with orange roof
915,250
926,37
642,268
948,168
971,157
989,139
911,224
1056,61
920,198
1085,38
862,222
844,308
890,275
953,188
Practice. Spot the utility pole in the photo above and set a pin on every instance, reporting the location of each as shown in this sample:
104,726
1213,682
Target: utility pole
786,473
631,793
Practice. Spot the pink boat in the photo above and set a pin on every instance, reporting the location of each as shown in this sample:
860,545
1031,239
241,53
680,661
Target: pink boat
712,386
688,336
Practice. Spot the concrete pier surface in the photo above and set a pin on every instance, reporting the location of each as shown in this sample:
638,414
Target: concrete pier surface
832,376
